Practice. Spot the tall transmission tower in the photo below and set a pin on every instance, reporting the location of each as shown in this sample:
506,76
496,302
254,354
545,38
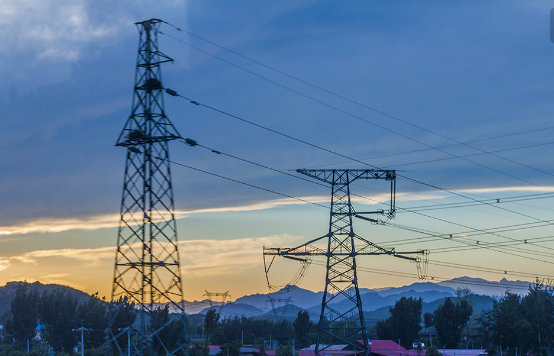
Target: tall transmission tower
147,268
342,246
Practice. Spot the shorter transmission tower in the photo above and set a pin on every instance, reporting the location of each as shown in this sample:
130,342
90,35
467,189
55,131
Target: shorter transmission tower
342,247
218,300
282,305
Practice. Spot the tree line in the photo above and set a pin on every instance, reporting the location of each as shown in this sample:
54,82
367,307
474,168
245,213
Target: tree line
515,325
231,332
56,314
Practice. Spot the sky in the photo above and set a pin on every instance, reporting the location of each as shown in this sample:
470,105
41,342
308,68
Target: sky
397,85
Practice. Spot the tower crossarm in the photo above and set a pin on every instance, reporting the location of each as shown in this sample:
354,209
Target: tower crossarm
326,175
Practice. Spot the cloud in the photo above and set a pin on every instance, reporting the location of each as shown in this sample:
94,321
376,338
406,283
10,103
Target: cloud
56,34
227,257
96,222
198,257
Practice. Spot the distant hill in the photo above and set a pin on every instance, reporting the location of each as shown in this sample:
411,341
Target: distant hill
237,309
417,287
7,292
372,301
484,287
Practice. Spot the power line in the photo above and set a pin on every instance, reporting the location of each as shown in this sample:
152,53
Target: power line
247,184
174,93
306,201
361,268
194,143
362,119
443,146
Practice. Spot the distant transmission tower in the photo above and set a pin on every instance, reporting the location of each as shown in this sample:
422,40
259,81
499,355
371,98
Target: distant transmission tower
285,302
342,246
147,268
218,300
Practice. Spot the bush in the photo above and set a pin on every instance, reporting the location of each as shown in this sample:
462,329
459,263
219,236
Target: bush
432,351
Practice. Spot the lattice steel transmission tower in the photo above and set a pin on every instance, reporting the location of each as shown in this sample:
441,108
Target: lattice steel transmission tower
343,246
218,300
276,304
147,268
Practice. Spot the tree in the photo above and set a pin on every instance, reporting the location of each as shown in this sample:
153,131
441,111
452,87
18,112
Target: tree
58,314
404,322
170,333
302,327
210,323
504,325
525,323
450,319
93,315
432,351
230,348
122,314
24,313
428,320
537,307
284,350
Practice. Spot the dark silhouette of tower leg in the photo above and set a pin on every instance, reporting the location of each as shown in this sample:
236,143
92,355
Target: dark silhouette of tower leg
147,267
347,326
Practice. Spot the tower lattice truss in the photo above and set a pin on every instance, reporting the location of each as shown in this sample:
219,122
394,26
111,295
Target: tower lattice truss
342,248
147,268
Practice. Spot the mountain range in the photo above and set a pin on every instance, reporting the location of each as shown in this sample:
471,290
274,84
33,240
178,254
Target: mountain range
287,303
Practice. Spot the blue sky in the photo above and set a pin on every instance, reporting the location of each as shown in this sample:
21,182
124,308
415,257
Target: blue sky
467,71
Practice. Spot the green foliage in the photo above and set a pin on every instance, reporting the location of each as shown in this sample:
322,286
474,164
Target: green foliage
284,350
302,328
262,350
93,314
523,322
58,314
210,323
404,322
7,321
24,313
432,351
255,331
172,330
428,320
123,313
450,319
230,349
199,350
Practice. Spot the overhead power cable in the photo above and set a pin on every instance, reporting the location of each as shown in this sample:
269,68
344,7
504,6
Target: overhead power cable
303,200
485,231
247,184
174,93
194,143
364,120
443,146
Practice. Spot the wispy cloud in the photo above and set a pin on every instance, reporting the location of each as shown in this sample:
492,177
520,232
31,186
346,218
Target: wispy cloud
96,222
198,257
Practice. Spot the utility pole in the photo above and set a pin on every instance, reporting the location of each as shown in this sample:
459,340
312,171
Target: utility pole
82,330
147,265
343,247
